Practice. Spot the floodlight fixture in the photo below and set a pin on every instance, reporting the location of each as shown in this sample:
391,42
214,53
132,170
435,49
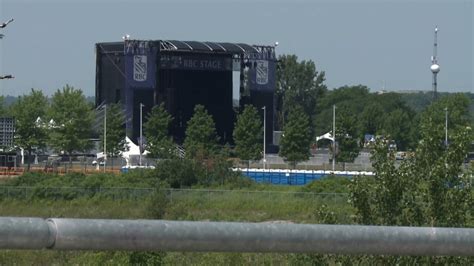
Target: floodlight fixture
7,77
3,25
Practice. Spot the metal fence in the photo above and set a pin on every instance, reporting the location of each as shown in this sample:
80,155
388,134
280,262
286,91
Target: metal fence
200,195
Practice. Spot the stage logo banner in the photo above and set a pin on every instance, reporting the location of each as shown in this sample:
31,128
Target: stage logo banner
262,75
140,64
262,72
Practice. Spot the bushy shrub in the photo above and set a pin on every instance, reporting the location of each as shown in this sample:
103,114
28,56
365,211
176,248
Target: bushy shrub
146,258
178,172
29,179
158,202
329,184
217,171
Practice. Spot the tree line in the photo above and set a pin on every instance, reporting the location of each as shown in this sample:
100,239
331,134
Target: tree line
304,110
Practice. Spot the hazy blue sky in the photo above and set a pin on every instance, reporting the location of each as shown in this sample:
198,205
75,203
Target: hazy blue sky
51,43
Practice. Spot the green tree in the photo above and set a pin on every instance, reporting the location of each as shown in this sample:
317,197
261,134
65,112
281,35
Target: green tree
248,134
371,119
379,114
159,143
72,119
201,138
439,164
347,135
296,139
116,138
398,125
298,83
430,189
352,100
30,132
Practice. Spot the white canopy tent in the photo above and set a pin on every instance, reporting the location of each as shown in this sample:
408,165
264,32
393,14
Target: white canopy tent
133,150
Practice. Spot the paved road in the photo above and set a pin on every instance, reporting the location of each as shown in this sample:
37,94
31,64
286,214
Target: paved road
322,160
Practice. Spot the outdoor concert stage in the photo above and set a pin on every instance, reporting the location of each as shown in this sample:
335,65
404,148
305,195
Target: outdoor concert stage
181,74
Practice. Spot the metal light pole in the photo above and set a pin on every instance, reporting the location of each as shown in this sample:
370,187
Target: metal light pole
141,134
264,134
333,137
446,127
105,135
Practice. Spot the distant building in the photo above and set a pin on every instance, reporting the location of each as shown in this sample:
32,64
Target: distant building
7,132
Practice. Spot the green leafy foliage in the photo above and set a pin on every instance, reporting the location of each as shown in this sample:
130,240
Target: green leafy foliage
348,146
79,185
398,127
368,113
248,134
30,133
73,117
159,143
329,184
182,173
146,258
158,202
298,83
372,121
179,172
201,138
431,188
296,139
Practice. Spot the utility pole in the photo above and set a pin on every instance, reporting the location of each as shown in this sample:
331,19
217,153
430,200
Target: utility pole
446,127
264,134
333,137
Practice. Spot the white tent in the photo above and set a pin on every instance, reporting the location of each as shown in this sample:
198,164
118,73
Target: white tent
325,136
133,150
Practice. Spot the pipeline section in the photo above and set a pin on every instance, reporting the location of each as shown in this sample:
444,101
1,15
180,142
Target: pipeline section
162,235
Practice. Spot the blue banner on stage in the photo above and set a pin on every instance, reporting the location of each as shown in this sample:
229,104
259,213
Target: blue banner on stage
140,64
262,74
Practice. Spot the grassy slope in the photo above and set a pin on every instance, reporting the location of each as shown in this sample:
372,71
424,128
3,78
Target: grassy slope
187,205
192,205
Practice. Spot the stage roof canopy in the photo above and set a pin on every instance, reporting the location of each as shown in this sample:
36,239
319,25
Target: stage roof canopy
235,48
190,46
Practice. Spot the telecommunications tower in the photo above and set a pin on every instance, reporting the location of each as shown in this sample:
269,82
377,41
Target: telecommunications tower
434,64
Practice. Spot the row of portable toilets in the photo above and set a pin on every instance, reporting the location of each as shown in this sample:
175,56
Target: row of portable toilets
293,177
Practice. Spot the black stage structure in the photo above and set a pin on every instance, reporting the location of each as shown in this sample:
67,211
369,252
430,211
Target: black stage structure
181,74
